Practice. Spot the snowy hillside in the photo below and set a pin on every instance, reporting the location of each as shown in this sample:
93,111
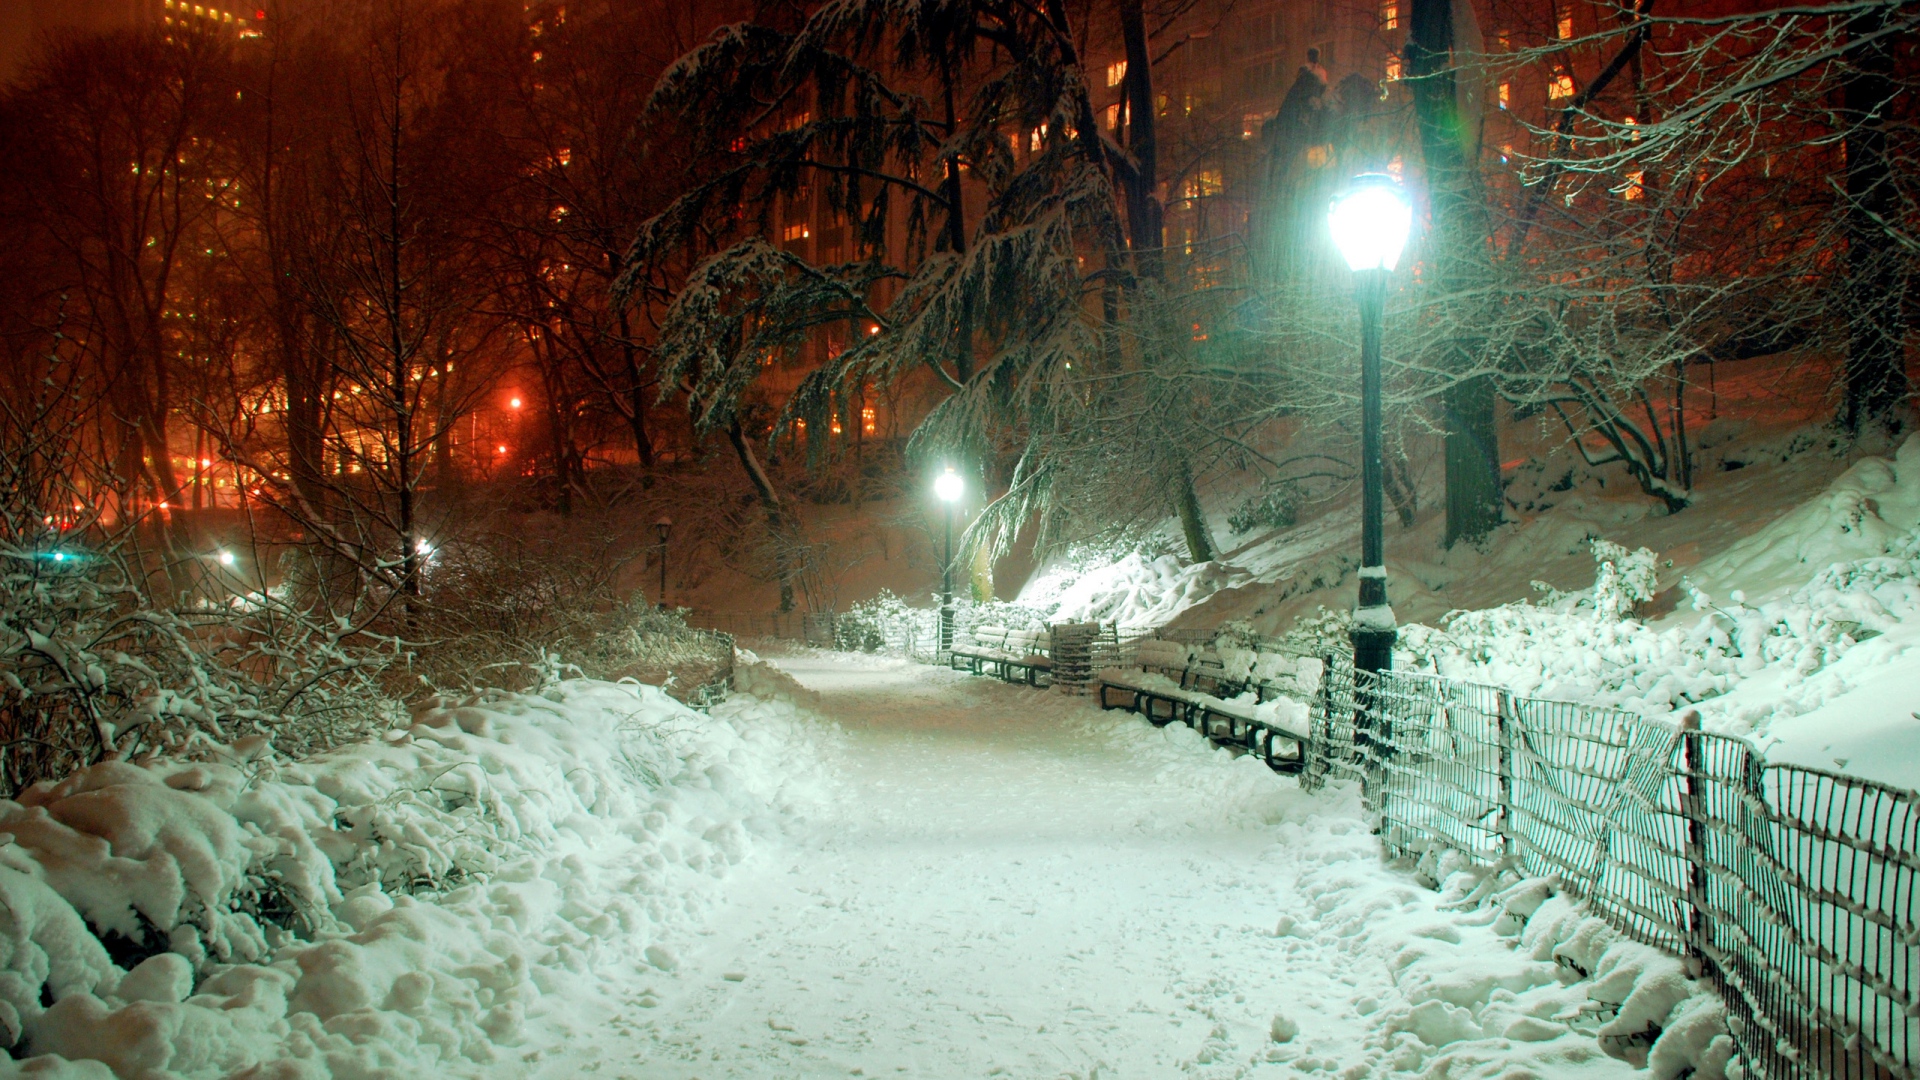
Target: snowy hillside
442,902
1785,605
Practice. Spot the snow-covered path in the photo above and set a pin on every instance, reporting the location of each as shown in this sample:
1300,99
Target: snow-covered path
1014,884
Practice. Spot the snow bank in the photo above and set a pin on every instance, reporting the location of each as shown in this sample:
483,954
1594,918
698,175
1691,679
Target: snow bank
1848,626
437,902
1439,970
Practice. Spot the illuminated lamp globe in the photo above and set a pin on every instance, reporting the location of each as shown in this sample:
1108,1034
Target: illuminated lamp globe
949,486
1370,222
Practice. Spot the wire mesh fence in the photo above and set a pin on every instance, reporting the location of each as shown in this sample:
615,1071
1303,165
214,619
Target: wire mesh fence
1790,889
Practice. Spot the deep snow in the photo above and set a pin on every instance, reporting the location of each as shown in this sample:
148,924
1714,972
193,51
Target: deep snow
1013,883
894,870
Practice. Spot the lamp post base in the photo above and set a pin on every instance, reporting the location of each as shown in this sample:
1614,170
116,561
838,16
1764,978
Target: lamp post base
1373,648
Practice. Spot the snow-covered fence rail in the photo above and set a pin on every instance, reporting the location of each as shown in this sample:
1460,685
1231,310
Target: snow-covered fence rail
1791,889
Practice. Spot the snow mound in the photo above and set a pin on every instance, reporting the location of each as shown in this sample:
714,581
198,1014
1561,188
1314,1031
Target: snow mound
1860,516
459,891
1748,664
1134,592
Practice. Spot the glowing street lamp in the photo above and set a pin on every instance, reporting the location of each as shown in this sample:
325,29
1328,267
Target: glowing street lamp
1370,222
948,486
663,527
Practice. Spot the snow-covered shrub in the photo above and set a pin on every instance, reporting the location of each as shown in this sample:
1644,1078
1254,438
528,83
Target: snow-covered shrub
92,667
1322,632
1008,613
869,625
1276,507
522,608
1625,578
499,850
1587,647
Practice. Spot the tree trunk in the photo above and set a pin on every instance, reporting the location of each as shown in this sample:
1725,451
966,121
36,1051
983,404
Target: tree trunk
1876,372
1145,226
780,524
1473,460
637,392
1459,239
1192,522
1144,213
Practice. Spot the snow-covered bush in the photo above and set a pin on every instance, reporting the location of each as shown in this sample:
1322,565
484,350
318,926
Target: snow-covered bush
92,667
503,850
1276,507
870,625
520,608
1587,647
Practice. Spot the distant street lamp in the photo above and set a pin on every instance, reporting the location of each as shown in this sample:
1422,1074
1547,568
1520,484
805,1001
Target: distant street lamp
949,487
1370,222
663,527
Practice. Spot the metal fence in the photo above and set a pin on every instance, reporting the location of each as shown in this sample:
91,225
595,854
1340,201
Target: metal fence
1789,889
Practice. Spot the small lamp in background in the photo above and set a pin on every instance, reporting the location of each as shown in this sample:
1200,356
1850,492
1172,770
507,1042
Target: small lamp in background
663,527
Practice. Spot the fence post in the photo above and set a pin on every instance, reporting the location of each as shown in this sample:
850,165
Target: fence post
1504,720
1692,806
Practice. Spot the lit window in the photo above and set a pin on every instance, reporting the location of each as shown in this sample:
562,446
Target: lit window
800,426
1634,190
1504,39
1202,184
867,420
1393,68
1250,124
563,156
1389,14
1560,88
1113,118
1398,166
1116,73
1320,156
1036,138
798,232
1563,27
1506,95
835,428
798,120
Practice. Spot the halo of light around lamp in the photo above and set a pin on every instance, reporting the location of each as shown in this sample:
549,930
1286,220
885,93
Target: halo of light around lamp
1370,222
949,486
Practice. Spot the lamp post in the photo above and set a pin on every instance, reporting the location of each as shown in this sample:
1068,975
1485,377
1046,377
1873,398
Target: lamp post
1370,222
949,487
663,527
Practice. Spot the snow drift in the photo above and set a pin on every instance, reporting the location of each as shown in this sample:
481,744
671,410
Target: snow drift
1804,634
427,903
